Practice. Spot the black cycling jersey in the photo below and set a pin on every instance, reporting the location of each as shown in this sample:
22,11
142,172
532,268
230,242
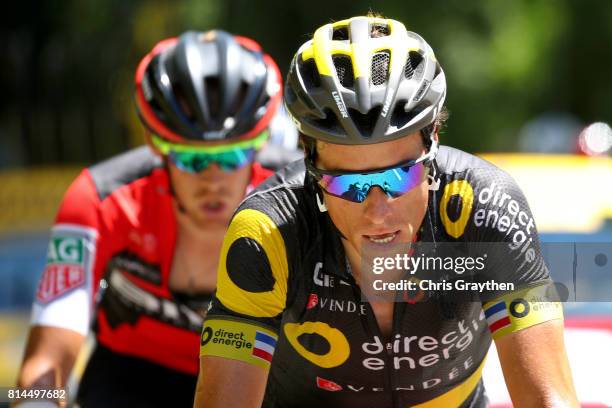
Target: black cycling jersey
286,296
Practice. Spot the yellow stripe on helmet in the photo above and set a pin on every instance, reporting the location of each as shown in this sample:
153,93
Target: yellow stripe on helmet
323,48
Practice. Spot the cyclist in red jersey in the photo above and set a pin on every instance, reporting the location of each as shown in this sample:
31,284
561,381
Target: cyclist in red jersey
134,248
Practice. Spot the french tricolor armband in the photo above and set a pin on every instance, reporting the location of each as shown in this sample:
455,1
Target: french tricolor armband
521,309
238,340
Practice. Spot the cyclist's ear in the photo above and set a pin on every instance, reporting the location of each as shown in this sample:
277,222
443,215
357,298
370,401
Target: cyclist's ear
149,141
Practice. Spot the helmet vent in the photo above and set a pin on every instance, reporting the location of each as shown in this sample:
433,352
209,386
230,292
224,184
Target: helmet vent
330,122
155,92
310,75
414,64
365,122
379,30
158,110
344,70
213,97
239,98
399,117
340,34
181,99
380,67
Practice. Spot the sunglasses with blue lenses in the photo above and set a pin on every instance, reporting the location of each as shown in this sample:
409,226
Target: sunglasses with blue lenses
355,186
195,159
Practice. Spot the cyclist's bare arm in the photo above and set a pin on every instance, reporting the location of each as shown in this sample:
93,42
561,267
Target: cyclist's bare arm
224,382
241,329
536,368
49,356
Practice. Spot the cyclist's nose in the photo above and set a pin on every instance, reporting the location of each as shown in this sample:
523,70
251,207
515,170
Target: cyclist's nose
212,175
376,205
212,172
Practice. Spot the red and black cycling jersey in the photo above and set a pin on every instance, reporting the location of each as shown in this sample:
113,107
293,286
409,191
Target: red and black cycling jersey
109,261
286,300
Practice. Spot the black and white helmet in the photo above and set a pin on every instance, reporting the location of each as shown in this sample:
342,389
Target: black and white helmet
207,86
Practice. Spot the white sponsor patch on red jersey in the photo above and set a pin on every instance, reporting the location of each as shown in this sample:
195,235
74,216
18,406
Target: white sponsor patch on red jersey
67,256
64,297
59,279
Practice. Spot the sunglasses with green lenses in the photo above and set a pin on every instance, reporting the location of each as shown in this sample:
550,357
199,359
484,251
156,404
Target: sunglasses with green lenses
194,159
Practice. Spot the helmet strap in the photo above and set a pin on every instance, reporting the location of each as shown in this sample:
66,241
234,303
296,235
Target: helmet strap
433,179
179,205
320,202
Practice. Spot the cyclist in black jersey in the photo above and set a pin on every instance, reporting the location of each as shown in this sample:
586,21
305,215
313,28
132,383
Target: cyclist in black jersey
295,322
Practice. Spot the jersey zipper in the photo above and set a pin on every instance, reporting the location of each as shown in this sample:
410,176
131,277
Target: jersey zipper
392,371
371,327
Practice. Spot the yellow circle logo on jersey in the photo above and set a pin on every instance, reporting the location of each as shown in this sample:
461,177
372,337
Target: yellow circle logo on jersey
339,349
464,190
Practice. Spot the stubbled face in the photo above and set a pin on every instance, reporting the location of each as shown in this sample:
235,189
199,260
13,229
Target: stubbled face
379,221
210,197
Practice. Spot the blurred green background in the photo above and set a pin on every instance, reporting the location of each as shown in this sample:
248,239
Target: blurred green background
67,66
523,75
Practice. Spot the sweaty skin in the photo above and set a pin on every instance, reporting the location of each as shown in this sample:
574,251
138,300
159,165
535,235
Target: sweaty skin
538,376
205,203
210,197
49,356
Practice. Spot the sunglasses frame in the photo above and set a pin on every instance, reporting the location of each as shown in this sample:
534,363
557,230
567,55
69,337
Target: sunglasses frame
318,174
249,153
168,148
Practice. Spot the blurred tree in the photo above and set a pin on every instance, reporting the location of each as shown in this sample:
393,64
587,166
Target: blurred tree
67,67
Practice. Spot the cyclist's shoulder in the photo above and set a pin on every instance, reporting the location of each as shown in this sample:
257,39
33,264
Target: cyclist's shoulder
89,193
123,169
275,157
451,161
291,176
285,203
283,195
457,165
478,202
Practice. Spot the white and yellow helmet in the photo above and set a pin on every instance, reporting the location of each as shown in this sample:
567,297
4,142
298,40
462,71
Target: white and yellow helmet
364,80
